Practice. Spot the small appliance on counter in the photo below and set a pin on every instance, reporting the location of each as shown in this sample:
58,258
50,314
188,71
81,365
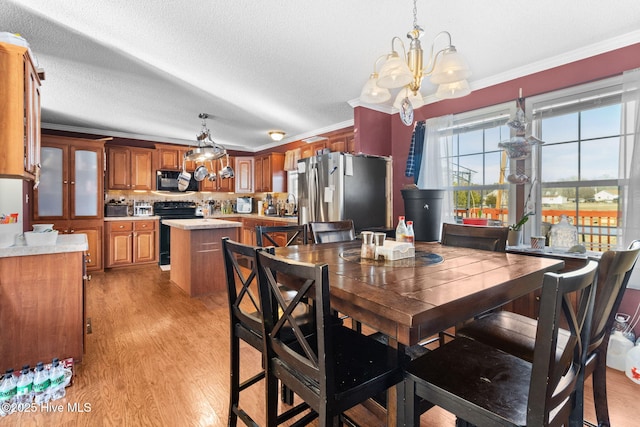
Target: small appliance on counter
114,208
270,210
142,209
244,205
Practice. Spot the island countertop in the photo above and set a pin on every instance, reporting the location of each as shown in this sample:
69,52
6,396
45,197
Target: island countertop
200,224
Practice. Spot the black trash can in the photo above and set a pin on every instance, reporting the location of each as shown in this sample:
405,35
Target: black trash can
424,208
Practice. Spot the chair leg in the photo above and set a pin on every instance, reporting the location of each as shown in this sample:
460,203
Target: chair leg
234,395
271,399
599,378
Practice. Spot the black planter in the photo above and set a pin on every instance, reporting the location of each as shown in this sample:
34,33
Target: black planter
424,208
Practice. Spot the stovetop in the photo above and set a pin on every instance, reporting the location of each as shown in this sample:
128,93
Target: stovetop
177,209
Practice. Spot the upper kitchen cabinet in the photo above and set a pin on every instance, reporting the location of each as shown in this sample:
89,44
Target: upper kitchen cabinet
70,193
270,175
71,183
244,175
342,143
312,149
170,157
19,113
129,168
222,185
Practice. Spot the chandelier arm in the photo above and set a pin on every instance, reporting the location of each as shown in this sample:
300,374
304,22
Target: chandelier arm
404,51
431,66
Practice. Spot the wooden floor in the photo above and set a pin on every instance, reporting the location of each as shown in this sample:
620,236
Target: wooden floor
156,357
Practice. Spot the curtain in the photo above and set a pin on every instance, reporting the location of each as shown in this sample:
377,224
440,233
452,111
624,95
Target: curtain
630,165
435,168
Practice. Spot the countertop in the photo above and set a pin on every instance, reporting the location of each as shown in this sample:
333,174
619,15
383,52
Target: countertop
200,224
64,243
129,218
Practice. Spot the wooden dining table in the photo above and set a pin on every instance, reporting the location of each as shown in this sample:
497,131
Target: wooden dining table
412,299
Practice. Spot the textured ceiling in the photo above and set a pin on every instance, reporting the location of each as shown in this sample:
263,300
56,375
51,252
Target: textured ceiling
147,68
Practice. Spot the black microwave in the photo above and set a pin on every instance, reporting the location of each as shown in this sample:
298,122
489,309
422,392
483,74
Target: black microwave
168,181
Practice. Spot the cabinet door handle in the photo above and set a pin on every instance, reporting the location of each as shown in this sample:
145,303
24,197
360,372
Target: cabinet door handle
122,226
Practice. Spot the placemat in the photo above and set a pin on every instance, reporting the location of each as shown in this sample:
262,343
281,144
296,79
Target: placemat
421,259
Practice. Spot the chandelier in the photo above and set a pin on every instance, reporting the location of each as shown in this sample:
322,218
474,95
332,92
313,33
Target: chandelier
446,68
206,149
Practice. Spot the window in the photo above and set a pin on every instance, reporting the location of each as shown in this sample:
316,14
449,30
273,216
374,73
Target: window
578,163
478,165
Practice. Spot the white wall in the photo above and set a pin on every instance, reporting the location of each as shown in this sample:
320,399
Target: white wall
10,202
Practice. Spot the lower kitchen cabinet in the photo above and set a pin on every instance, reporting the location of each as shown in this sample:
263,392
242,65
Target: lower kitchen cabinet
94,231
130,242
42,315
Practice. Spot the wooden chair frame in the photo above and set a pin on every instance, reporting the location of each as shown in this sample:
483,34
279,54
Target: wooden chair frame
264,235
332,369
486,387
476,237
333,231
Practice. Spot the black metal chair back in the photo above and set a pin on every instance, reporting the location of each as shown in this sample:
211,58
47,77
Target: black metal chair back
476,237
333,231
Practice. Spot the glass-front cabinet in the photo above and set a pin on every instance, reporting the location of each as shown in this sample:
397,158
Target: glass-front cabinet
70,191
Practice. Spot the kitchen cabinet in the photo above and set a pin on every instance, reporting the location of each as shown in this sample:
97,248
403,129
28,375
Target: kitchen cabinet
19,114
70,191
312,149
244,175
130,242
129,168
226,185
170,157
342,143
269,173
43,308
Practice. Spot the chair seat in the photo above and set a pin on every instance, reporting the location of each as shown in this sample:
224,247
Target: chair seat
495,382
350,350
510,332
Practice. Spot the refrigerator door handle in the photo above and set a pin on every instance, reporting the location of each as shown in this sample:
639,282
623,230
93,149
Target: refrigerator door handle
314,197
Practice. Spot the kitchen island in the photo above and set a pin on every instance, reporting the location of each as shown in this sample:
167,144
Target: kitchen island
42,302
197,262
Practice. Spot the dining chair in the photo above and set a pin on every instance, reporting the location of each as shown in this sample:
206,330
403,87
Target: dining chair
332,369
515,333
267,235
485,386
475,237
333,231
245,324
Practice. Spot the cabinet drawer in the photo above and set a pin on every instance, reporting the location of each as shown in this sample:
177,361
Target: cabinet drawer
120,225
144,225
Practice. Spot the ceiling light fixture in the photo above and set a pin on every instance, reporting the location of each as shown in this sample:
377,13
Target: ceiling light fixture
446,68
207,149
276,135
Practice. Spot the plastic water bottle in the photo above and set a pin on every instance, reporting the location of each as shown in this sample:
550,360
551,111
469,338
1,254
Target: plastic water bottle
7,393
41,384
24,389
56,378
401,230
411,236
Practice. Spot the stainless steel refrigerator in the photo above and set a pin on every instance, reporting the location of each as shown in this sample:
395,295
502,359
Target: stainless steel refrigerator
338,186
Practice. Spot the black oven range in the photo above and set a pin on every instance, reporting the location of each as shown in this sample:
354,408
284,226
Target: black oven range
171,210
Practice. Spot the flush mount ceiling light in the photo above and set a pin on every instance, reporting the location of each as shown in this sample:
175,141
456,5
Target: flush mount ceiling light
276,135
207,149
446,68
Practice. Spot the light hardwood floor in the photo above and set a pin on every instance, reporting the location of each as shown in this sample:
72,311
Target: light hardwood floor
159,358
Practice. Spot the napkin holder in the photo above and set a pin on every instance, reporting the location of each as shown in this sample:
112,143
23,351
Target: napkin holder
392,250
